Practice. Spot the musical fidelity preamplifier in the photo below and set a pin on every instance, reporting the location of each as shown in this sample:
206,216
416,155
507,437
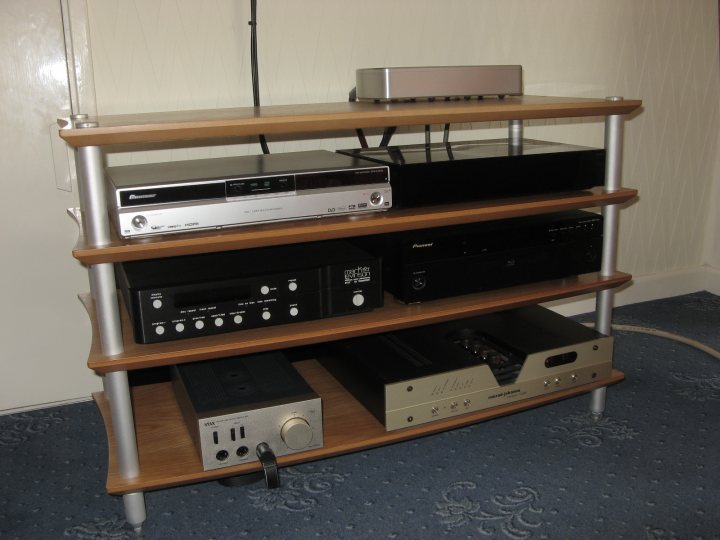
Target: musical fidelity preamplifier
161,198
198,295
441,173
429,373
435,263
232,405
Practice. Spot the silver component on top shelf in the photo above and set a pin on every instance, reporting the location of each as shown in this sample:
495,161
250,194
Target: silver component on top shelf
406,83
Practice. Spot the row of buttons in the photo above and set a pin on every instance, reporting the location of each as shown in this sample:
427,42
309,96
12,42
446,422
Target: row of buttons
453,406
219,321
557,381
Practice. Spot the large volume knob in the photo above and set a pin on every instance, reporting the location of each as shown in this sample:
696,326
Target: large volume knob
296,433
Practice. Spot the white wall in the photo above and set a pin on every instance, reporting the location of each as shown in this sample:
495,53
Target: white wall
44,331
183,54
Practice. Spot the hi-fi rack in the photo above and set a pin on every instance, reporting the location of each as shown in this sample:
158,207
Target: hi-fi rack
143,421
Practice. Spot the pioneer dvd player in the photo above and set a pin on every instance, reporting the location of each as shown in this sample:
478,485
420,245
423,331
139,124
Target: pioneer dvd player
161,198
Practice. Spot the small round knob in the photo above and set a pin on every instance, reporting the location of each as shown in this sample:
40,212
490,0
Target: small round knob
294,311
376,198
139,222
264,290
199,324
296,433
292,286
266,315
358,300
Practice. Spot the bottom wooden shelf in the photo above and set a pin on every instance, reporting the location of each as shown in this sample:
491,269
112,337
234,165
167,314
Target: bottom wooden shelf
168,457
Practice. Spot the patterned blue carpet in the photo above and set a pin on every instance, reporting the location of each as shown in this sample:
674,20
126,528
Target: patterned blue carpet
650,469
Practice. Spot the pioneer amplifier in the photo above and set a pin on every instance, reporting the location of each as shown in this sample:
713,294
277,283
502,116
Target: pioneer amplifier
411,377
479,170
161,198
434,263
198,295
232,405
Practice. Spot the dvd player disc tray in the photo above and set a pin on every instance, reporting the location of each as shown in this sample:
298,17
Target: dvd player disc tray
161,198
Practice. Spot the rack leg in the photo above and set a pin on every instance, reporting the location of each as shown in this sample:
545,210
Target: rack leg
135,510
96,226
515,137
604,299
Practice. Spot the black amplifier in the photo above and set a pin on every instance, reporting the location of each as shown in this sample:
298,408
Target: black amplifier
435,263
198,295
476,170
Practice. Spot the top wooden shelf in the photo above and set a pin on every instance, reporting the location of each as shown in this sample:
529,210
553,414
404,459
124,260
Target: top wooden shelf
211,124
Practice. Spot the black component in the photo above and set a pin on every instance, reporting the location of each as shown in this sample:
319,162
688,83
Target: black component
435,263
222,455
242,451
214,293
240,381
479,170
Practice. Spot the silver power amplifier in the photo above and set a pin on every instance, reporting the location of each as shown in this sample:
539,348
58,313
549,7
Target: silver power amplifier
161,198
404,83
411,377
232,405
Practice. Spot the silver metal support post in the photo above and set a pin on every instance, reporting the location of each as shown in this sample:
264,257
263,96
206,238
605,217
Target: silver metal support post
605,298
96,227
135,510
96,224
515,137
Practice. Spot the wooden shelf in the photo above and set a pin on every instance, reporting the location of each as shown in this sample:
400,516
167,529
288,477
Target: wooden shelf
343,227
201,125
168,457
393,316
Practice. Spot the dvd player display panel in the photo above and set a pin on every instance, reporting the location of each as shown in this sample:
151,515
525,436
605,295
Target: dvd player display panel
456,172
162,198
